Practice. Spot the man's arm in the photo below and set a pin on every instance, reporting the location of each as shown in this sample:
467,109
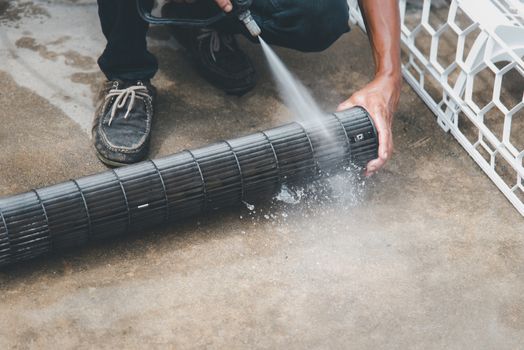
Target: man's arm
380,97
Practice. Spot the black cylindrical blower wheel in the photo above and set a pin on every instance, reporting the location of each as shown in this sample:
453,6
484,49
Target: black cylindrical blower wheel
189,183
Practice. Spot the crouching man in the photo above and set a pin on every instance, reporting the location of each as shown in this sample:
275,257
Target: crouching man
122,126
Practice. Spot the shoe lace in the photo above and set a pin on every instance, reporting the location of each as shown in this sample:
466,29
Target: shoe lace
216,40
121,98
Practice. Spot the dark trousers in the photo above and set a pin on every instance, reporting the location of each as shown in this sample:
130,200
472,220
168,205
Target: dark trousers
304,25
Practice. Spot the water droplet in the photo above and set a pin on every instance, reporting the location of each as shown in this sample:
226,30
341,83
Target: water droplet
250,207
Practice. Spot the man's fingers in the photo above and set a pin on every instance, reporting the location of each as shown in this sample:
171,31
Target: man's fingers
225,5
384,134
385,144
373,166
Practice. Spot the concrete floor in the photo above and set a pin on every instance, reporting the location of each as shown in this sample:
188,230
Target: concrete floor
426,255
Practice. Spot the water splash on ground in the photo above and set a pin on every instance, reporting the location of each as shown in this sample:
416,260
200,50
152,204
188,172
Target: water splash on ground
313,201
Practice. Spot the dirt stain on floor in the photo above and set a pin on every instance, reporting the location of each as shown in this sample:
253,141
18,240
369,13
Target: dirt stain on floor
12,11
77,60
92,79
72,58
29,43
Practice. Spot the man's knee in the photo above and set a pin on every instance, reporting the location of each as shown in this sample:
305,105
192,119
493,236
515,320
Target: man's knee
324,22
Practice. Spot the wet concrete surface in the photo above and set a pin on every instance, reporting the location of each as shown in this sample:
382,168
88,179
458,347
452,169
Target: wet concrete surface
427,254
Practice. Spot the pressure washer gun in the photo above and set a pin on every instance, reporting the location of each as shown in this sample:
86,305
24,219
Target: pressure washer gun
240,10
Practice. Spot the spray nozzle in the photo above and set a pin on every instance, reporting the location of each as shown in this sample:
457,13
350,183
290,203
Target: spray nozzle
248,20
241,8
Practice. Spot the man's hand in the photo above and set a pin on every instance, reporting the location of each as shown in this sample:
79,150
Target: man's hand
380,98
225,5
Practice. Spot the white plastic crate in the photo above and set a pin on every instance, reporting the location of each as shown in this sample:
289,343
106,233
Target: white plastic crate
465,61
